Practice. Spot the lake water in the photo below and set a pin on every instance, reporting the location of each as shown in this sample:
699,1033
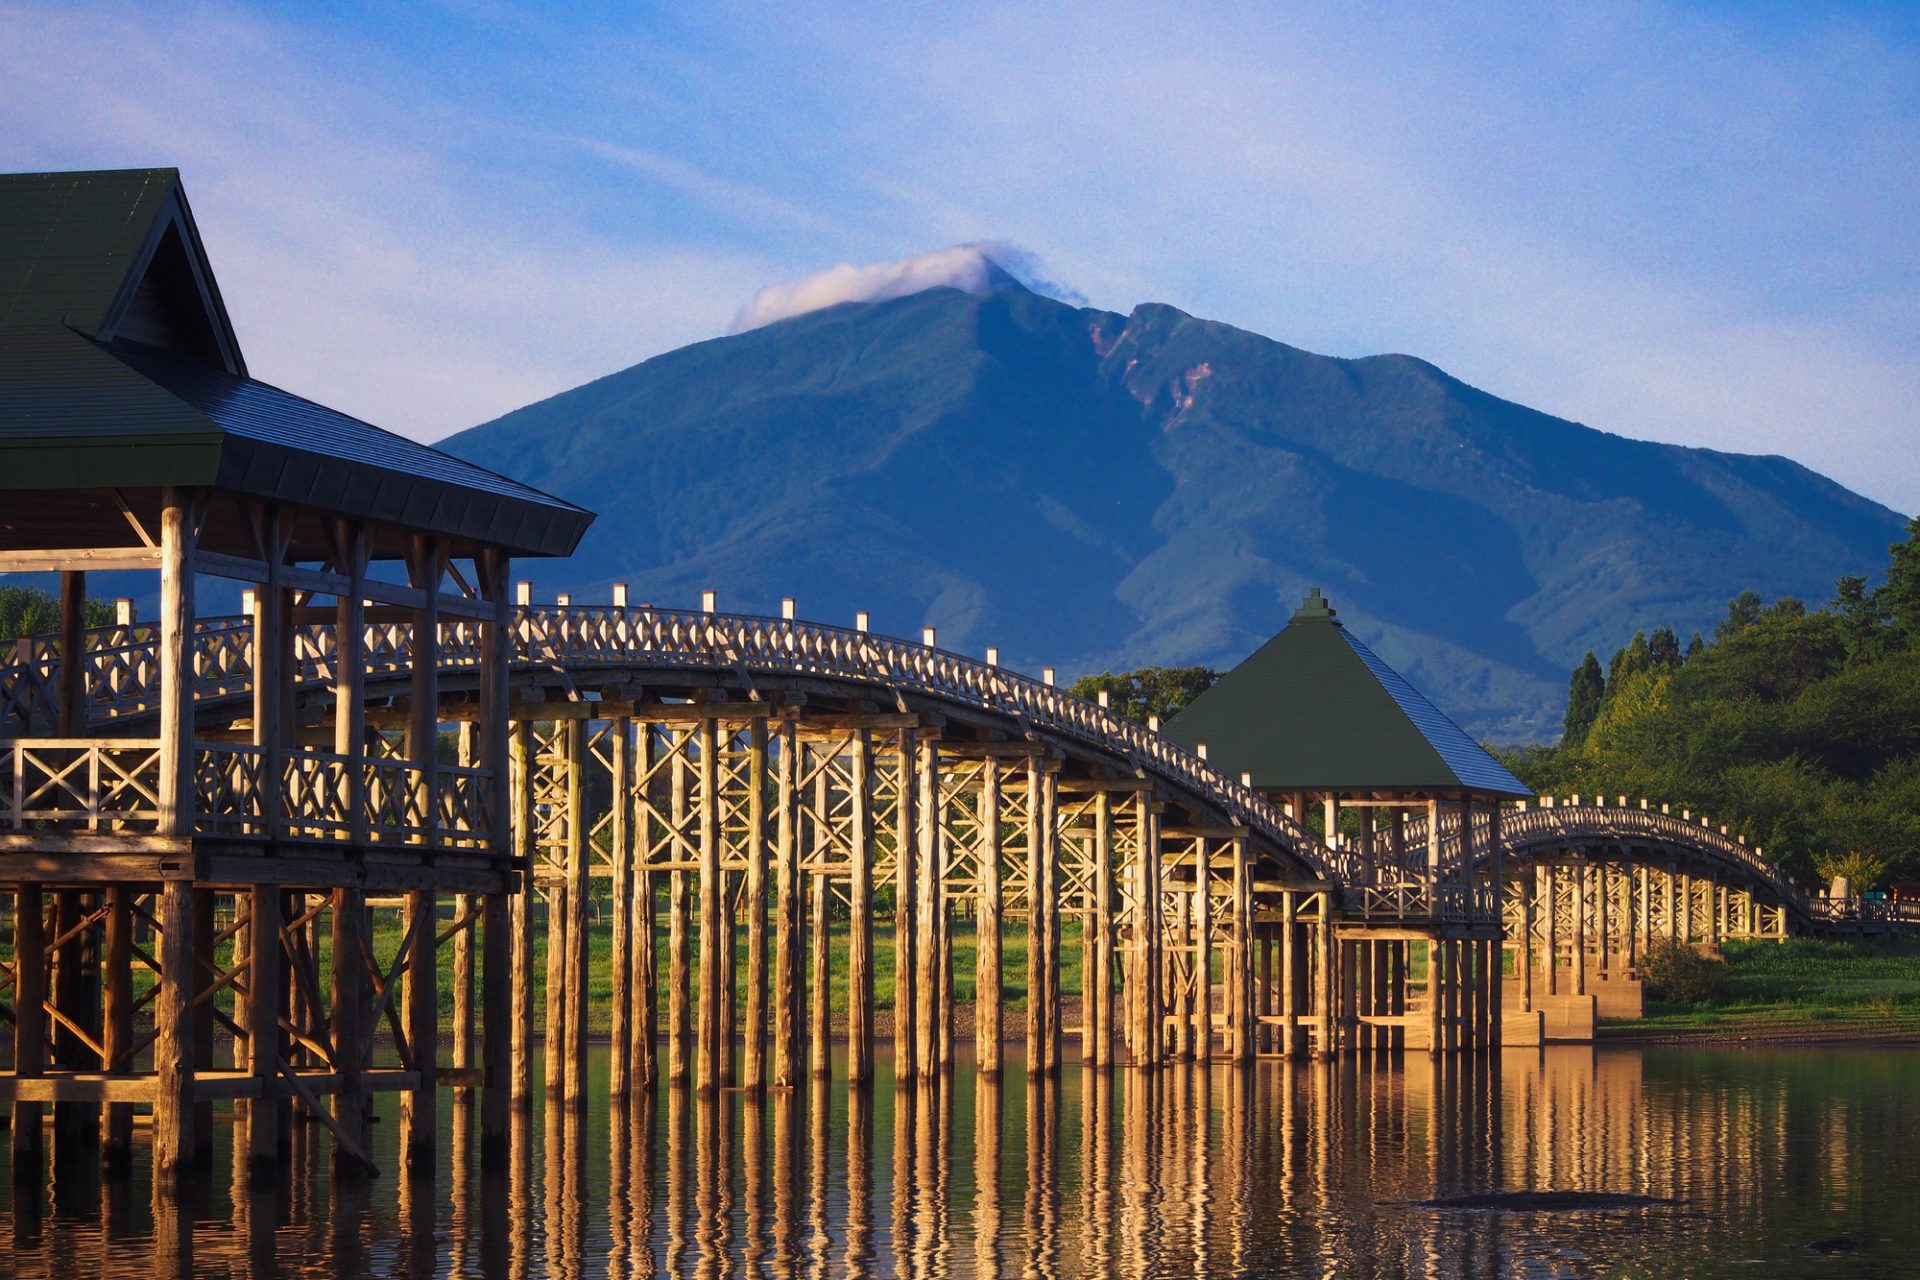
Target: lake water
1718,1162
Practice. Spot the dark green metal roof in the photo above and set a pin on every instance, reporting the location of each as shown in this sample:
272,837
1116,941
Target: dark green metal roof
98,268
1314,709
80,414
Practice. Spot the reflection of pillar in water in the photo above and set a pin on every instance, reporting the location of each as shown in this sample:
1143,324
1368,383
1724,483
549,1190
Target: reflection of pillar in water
785,1251
817,1144
859,1252
987,1098
679,1192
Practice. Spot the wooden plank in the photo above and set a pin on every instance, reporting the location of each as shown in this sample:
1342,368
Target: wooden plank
70,559
72,1087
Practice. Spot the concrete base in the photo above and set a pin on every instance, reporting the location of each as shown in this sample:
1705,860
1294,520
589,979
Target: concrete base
1522,1030
1618,998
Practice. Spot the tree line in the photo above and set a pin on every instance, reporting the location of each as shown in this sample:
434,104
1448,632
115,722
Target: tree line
1799,727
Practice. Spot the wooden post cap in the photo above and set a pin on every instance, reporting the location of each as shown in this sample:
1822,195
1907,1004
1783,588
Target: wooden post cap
619,595
523,593
787,607
708,601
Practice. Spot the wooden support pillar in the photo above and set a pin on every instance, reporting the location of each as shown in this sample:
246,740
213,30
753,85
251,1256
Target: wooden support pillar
754,1066
1243,971
499,1025
987,980
819,1045
1097,979
202,1018
1293,965
906,907
521,930
1326,977
1579,926
708,992
622,916
927,975
860,915
788,982
574,901
265,1047
1436,998
1357,995
1037,1012
352,1033
1151,1042
173,1056
1050,904
1546,877
117,1024
1523,950
1202,952
419,1105
30,1026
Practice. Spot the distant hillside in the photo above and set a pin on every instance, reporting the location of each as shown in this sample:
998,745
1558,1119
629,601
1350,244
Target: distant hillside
1090,490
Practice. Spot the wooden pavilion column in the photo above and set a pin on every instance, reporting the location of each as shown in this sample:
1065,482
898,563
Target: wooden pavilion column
1292,974
1326,978
987,983
117,1026
173,1048
499,1012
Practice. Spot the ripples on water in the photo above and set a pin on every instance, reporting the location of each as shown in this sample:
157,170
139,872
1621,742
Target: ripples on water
1309,1170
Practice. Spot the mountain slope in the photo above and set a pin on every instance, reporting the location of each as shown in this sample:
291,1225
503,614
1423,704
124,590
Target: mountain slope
1087,490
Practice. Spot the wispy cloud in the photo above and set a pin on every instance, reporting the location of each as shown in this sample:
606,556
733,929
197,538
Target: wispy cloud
972,268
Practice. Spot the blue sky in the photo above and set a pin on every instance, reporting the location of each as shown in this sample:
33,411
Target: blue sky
1693,223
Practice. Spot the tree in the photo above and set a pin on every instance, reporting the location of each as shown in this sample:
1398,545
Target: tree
1899,596
1584,692
1695,647
28,611
1663,649
1742,612
1146,691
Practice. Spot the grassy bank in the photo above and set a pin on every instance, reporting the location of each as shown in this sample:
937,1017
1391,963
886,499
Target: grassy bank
1801,990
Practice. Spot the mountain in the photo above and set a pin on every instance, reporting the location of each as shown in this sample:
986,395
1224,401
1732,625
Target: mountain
1090,490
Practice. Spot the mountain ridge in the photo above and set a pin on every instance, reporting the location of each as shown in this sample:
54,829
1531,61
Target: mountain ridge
1088,489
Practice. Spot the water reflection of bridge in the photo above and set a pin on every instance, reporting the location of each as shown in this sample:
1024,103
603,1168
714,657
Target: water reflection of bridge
240,851
1285,1168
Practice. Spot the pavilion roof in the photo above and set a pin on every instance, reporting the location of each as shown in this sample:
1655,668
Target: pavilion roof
1314,709
119,370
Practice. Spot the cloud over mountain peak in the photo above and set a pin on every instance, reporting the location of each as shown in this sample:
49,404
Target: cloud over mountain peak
980,267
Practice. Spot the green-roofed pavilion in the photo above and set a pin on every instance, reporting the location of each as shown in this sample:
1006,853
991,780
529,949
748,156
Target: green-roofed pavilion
1316,722
1315,710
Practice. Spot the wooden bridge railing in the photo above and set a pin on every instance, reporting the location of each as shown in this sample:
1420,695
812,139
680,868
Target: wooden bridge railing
1550,821
123,673
73,785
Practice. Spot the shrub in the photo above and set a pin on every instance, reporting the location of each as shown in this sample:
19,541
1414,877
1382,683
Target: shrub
1677,974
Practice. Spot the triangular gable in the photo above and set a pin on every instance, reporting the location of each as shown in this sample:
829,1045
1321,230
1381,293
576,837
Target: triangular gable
114,255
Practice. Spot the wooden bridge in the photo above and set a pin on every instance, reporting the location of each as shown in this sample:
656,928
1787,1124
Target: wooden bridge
242,853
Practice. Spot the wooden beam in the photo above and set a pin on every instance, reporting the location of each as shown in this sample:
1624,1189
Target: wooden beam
80,559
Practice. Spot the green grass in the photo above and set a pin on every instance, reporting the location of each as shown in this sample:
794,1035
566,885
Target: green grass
1803,988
